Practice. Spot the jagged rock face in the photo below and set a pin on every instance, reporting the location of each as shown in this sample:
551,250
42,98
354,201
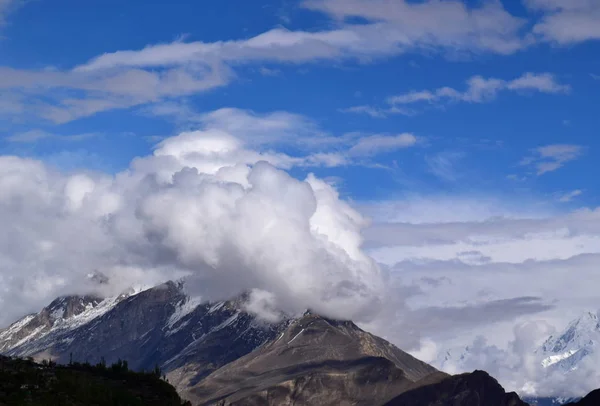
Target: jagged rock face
57,315
219,354
474,389
159,326
314,361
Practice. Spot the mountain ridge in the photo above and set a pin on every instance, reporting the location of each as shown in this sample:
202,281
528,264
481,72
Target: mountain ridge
221,354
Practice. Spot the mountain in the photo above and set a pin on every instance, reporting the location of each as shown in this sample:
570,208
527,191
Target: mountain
561,353
26,383
220,354
314,356
592,399
556,401
160,326
565,351
474,389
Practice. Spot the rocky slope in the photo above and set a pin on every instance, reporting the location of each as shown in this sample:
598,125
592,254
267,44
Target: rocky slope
219,354
159,326
315,361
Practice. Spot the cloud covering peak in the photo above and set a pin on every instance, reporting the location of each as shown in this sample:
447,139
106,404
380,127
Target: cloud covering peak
202,207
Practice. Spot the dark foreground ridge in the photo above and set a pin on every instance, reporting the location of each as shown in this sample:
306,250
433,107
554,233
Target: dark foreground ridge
474,389
23,382
592,399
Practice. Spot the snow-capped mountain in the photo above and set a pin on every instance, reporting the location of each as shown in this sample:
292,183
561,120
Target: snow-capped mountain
62,315
566,350
207,349
159,326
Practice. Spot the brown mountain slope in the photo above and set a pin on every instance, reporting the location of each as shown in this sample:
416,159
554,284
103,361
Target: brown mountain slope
315,361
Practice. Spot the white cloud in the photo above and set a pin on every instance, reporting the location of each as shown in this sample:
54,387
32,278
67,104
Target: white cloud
128,78
567,21
478,90
481,90
552,157
33,136
567,197
374,144
443,164
285,129
368,110
124,79
203,205
376,112
269,71
6,6
505,271
451,24
74,95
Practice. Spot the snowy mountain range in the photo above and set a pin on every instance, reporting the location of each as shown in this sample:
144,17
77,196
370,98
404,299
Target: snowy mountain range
563,353
566,351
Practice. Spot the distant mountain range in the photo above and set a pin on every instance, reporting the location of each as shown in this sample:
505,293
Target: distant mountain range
563,352
220,354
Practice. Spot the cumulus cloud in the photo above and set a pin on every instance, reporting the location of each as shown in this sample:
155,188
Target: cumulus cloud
552,157
204,206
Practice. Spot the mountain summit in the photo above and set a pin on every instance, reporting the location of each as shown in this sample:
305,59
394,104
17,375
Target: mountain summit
220,354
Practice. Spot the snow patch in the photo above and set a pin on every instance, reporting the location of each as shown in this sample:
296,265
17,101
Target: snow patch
296,336
553,359
184,308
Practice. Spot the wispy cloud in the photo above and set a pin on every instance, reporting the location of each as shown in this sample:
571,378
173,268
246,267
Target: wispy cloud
282,128
263,70
6,6
376,112
33,136
375,144
128,78
567,197
552,157
443,164
480,89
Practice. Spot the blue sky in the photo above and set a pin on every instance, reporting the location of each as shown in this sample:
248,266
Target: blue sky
465,146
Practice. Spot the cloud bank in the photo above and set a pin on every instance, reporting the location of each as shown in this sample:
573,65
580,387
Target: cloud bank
491,274
204,206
